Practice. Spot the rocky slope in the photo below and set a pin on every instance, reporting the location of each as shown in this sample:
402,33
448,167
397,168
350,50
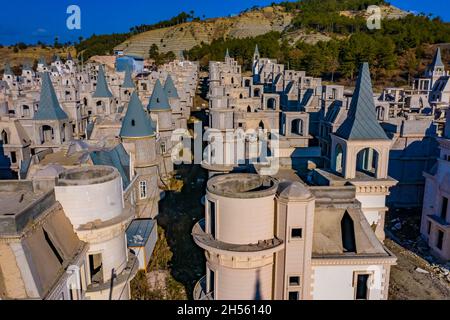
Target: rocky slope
247,24
187,35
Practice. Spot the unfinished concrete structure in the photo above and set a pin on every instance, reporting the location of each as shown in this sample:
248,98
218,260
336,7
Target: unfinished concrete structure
41,256
436,209
266,238
101,222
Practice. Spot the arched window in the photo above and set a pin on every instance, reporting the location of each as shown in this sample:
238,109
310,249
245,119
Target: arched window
348,234
63,132
5,137
272,103
47,134
339,153
297,127
241,96
367,161
247,83
25,111
249,109
261,125
256,92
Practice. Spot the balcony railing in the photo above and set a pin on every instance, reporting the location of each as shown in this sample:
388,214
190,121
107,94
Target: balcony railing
200,291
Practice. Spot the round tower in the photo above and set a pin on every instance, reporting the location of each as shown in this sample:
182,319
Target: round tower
92,199
139,139
238,236
161,112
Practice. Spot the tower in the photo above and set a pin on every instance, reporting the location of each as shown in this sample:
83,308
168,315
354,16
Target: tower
437,68
139,139
360,143
360,153
179,113
255,69
161,112
127,87
42,65
8,75
27,71
50,122
102,98
227,56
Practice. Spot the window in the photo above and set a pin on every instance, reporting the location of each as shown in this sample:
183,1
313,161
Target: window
96,268
348,234
294,281
440,239
143,189
13,157
362,289
429,227
212,218
52,246
163,147
294,295
296,233
4,137
444,208
212,281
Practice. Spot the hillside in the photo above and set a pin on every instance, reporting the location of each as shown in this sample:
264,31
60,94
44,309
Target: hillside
247,24
30,55
187,35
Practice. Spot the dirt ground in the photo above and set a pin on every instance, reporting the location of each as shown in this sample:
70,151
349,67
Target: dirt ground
432,280
408,284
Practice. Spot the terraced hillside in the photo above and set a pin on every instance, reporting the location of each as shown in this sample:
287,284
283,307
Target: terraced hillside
187,35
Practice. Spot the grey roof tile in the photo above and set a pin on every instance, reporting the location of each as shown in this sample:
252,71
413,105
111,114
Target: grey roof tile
170,89
102,90
361,122
158,100
49,107
136,122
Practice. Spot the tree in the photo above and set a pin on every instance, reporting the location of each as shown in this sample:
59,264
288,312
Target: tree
153,52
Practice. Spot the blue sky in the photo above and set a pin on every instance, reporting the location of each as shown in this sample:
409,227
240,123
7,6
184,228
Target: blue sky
31,20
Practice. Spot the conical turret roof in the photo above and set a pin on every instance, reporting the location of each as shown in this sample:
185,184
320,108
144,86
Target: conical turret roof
49,107
361,122
136,122
158,100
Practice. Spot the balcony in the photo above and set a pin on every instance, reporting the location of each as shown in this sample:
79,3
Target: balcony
200,291
207,242
126,275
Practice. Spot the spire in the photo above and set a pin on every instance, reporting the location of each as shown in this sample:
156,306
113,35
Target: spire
170,89
102,90
49,108
8,70
437,60
56,58
361,122
42,61
136,122
256,51
128,80
69,57
27,66
158,100
227,54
